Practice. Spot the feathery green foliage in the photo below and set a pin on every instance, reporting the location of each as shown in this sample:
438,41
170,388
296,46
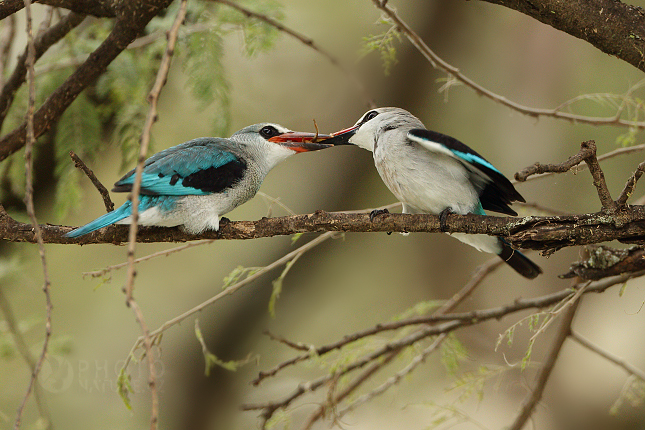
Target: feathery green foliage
632,394
383,43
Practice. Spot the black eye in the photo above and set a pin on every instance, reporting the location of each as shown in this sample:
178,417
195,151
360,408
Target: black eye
370,115
268,131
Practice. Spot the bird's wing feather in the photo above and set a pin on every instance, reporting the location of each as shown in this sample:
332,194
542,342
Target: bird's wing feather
198,167
495,191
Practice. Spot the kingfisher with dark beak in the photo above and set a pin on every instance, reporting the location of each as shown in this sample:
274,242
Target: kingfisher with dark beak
193,184
432,173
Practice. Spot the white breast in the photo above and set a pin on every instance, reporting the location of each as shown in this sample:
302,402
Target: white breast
426,181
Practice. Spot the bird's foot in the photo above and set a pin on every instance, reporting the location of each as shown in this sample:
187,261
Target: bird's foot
224,220
377,212
443,219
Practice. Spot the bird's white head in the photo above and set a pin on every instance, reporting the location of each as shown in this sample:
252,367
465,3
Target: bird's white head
273,143
371,129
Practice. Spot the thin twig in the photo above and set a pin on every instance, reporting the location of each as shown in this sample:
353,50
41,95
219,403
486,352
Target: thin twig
164,253
397,377
29,202
438,63
629,186
391,353
105,194
153,97
230,290
307,41
529,404
334,400
451,322
23,350
607,156
618,361
543,169
298,346
587,154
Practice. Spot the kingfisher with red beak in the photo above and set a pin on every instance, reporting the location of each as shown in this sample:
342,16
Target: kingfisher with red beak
193,184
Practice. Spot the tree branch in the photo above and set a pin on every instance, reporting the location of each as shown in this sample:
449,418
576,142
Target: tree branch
132,17
98,8
615,28
105,194
42,43
540,233
438,63
529,404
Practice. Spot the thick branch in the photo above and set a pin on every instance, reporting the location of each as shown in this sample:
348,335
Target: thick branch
42,43
131,20
98,8
540,233
613,27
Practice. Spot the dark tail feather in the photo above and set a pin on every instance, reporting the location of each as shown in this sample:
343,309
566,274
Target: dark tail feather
519,261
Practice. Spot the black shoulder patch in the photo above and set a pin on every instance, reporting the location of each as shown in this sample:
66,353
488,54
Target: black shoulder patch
216,179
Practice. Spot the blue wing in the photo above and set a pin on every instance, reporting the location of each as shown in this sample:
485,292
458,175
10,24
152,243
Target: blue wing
495,191
197,167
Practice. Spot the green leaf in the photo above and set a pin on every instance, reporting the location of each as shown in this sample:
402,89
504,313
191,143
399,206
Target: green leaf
277,285
124,388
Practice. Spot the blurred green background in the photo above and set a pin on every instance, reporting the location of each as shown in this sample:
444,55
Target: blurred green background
353,283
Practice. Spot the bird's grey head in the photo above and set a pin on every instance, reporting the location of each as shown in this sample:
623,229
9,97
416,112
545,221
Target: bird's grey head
272,143
371,129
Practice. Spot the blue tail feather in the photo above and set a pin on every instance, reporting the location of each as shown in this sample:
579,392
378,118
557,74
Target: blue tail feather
109,218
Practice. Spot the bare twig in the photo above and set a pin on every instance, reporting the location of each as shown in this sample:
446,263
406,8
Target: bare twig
298,346
607,156
541,169
334,399
29,202
588,155
397,377
449,322
78,163
529,404
23,350
438,63
629,186
307,41
164,253
153,97
618,361
230,290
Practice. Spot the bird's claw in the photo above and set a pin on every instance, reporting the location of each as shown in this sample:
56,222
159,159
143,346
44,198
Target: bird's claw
377,212
443,219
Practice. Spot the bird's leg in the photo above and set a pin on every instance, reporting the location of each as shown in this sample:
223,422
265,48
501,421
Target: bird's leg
377,212
443,218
